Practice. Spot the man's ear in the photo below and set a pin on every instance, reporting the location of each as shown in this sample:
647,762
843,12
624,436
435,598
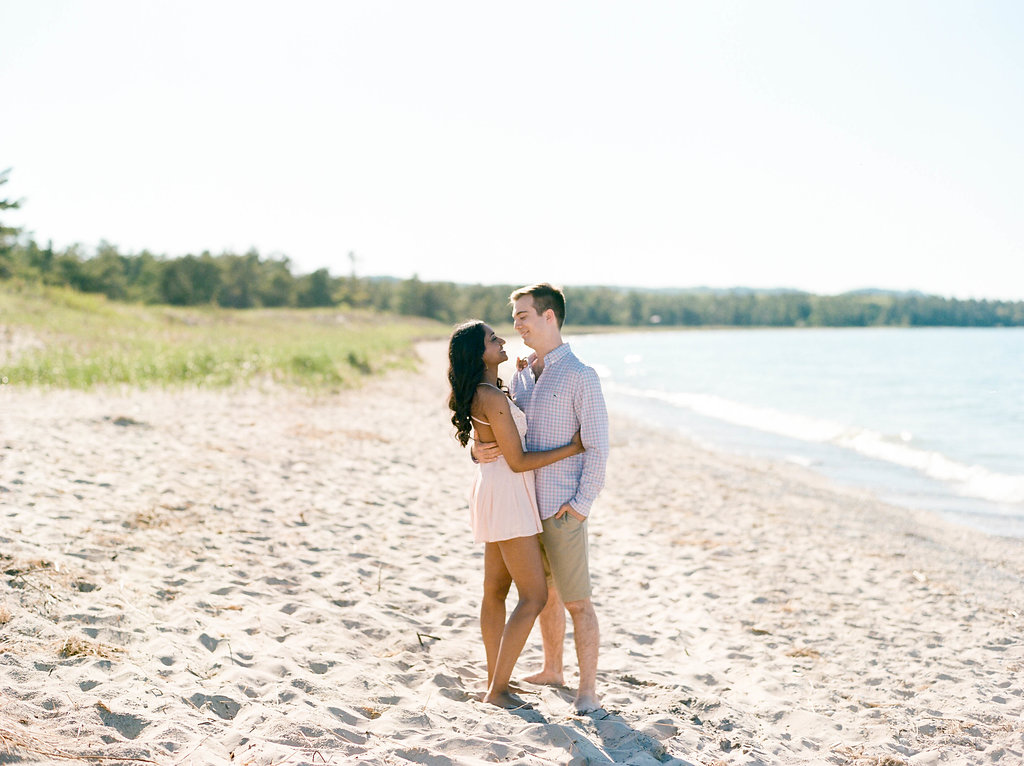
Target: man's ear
549,316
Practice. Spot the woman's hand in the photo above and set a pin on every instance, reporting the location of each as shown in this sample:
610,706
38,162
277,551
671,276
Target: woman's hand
577,442
521,363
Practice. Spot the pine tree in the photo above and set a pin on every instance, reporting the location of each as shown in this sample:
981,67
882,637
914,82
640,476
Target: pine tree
8,234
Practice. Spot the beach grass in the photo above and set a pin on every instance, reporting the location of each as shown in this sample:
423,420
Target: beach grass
61,338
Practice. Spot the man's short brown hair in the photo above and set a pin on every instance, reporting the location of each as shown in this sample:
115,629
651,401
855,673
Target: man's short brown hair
545,296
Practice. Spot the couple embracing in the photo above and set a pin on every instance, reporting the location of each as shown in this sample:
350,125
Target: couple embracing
542,446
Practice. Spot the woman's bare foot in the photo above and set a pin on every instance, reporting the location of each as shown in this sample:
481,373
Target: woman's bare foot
507,701
544,678
513,688
586,703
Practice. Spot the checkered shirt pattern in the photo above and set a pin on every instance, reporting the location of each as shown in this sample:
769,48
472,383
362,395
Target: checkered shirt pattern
566,398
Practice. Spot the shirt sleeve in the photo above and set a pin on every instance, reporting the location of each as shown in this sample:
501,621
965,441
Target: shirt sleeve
588,402
518,389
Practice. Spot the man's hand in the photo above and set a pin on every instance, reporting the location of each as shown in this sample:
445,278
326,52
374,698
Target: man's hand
485,452
567,508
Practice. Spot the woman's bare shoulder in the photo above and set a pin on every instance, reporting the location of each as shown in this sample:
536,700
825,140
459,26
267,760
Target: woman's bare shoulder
490,396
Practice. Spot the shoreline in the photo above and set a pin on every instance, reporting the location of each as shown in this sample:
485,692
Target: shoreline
909,449
847,473
268,576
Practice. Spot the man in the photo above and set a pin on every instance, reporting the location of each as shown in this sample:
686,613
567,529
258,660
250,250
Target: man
561,395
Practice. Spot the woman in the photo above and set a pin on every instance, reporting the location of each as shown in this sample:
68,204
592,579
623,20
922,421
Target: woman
503,503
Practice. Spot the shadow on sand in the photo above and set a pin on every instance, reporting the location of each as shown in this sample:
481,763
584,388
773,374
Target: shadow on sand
600,737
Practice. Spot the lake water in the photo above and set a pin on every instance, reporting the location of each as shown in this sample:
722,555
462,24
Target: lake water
926,418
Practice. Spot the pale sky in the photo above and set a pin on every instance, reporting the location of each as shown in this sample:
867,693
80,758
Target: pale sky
818,145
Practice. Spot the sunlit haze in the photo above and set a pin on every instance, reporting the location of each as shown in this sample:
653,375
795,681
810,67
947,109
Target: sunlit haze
823,146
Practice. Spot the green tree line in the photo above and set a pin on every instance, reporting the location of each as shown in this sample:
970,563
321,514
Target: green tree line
249,280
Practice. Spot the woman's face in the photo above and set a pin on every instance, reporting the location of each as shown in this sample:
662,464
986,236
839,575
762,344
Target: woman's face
494,348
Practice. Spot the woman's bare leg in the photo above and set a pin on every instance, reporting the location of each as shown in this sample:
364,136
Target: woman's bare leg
522,559
497,582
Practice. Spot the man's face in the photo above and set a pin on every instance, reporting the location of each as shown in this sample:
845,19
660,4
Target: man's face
526,321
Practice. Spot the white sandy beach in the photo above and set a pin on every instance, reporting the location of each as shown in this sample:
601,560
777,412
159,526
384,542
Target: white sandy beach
269,577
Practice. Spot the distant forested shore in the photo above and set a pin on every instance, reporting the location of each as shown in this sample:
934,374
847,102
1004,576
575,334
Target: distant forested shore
250,280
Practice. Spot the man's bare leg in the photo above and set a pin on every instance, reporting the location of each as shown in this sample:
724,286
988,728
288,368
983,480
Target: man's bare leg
552,633
588,637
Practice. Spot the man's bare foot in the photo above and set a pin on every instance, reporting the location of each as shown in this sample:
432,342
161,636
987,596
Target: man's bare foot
543,678
507,701
586,703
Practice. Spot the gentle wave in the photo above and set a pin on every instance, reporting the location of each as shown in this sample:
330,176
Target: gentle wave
968,480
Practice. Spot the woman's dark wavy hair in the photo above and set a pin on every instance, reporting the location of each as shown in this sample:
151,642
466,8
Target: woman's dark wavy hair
465,371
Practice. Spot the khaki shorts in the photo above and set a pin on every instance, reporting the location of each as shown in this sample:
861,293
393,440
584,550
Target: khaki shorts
566,557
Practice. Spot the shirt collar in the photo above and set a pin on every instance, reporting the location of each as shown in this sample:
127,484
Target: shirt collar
556,355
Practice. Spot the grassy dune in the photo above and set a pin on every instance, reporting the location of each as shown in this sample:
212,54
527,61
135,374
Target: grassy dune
61,338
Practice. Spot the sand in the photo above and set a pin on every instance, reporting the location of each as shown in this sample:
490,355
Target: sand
265,576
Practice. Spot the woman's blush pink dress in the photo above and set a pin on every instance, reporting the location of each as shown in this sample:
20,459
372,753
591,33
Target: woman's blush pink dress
503,503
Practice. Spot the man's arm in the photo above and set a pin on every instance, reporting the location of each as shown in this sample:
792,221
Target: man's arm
588,402
518,388
484,452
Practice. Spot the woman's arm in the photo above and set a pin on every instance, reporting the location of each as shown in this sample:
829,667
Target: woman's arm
497,408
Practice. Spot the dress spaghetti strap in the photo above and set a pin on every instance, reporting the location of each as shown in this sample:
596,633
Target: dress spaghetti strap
474,417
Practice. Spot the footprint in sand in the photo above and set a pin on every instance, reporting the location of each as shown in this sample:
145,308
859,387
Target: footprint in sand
209,642
127,725
218,704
